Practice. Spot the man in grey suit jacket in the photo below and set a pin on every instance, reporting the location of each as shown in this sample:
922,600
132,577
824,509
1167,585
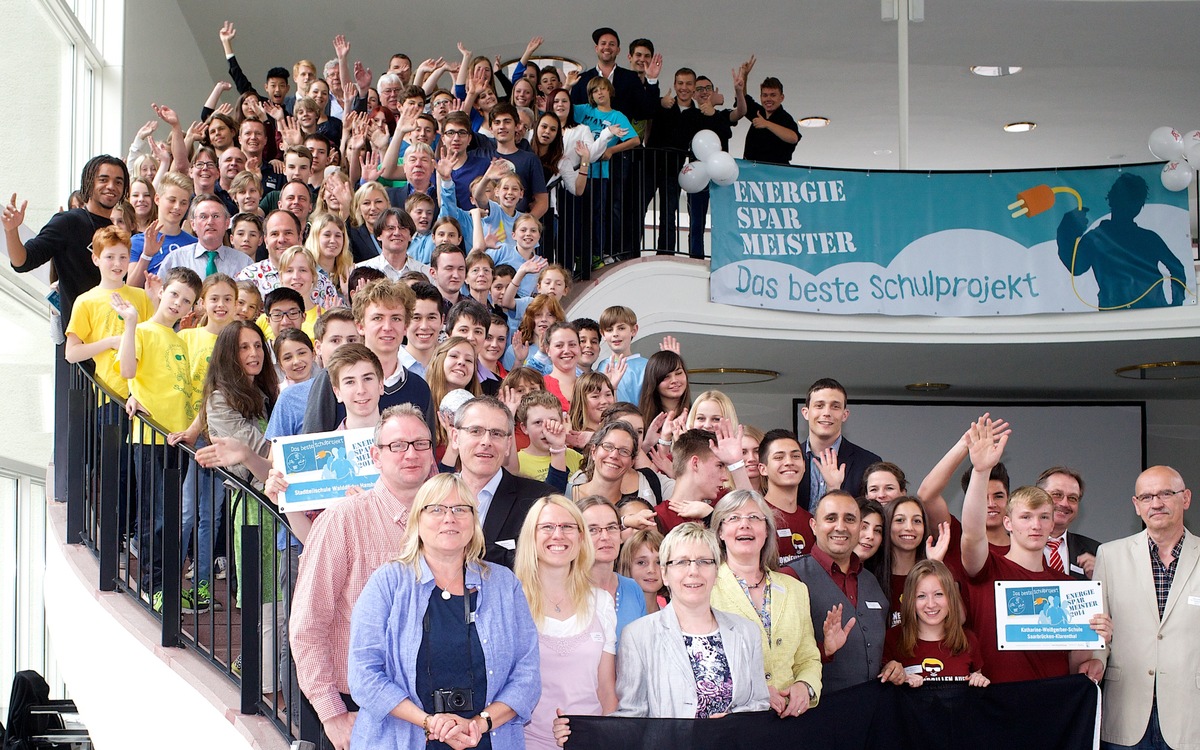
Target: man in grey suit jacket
1067,552
843,598
1151,587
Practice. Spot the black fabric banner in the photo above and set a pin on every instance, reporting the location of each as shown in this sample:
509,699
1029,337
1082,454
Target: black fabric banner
1055,714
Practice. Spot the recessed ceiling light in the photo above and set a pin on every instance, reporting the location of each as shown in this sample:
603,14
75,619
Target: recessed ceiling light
813,122
1174,370
730,375
995,71
1117,156
927,387
1019,127
882,151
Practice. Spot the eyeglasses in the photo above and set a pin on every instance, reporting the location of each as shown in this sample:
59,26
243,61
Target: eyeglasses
703,563
439,510
456,133
476,431
568,529
1060,495
610,529
1164,495
752,518
610,448
278,315
209,217
402,446
204,164
704,88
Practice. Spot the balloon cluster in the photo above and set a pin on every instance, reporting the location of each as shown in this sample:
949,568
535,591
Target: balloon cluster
1181,152
711,164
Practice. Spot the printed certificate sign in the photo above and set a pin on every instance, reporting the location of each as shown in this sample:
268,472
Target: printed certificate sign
321,466
1047,615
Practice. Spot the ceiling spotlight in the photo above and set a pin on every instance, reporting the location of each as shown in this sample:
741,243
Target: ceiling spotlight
995,71
927,387
813,122
882,151
1019,127
1174,370
730,375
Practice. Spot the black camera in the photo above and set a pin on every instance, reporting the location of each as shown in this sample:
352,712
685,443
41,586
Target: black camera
452,700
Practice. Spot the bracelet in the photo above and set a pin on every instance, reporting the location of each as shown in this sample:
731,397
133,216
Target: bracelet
736,465
425,725
664,441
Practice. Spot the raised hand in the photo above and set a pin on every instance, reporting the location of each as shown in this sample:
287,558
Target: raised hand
362,76
145,131
162,150
985,448
341,47
225,108
669,344
369,164
532,47
290,130
660,458
937,550
466,53
227,33
556,435
273,110
445,169
728,446
14,216
167,114
153,239
615,369
195,132
123,307
654,67
510,398
836,633
572,78
831,471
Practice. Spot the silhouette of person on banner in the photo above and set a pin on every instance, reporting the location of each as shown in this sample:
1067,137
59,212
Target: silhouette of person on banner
1123,256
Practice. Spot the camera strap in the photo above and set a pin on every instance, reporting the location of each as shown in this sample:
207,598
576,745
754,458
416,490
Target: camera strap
469,618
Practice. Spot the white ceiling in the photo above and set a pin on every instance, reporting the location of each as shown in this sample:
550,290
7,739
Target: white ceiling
1099,75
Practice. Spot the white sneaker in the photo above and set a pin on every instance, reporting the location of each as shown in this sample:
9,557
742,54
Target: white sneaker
219,565
191,571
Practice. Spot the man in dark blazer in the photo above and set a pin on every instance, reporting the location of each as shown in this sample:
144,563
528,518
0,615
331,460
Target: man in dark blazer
482,434
833,461
1067,552
634,98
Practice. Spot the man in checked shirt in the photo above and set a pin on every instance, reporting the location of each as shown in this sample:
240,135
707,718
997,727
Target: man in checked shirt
346,544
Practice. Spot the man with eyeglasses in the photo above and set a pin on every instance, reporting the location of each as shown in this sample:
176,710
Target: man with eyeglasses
456,139
346,544
1156,650
844,598
481,439
1066,551
208,254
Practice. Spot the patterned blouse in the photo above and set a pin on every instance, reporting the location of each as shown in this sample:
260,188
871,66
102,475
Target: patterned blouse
714,680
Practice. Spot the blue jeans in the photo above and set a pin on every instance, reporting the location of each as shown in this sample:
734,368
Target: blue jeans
150,463
1152,740
203,502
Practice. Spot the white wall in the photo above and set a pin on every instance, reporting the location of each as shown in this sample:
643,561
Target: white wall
163,65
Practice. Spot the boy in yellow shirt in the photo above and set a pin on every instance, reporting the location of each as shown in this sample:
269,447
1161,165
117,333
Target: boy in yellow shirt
154,360
540,414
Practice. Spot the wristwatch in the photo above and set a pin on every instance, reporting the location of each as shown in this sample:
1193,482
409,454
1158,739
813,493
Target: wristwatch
812,694
488,717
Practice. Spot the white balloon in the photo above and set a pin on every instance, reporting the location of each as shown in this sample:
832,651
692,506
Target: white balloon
722,169
1177,175
1191,148
1166,143
693,177
705,144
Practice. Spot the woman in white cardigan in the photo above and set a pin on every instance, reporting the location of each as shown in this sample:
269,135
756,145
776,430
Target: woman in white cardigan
688,660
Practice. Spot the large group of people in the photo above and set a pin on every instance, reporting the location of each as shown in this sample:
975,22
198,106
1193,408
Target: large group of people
553,531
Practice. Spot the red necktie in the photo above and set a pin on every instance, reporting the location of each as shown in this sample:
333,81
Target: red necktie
1055,559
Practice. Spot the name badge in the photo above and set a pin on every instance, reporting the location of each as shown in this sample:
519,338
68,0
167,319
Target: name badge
1194,601
508,544
784,533
1076,569
598,637
874,605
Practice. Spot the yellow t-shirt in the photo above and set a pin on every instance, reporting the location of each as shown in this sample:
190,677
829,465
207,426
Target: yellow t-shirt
163,383
199,344
93,319
309,325
537,467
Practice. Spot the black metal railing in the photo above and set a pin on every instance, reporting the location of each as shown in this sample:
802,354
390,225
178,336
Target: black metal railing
127,502
638,207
